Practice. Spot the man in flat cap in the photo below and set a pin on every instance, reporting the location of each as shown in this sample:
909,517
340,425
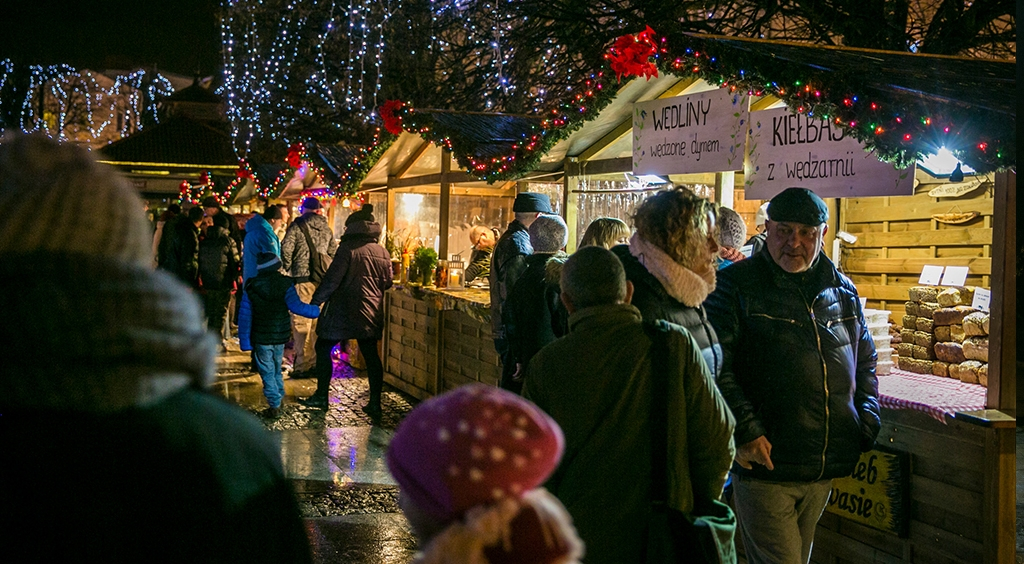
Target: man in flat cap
799,376
508,262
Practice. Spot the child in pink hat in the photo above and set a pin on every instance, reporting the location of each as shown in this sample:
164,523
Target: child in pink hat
469,463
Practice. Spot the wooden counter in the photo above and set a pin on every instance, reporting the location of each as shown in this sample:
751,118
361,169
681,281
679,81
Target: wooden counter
436,340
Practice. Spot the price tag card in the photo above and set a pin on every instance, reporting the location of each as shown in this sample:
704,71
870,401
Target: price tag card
982,299
931,275
955,276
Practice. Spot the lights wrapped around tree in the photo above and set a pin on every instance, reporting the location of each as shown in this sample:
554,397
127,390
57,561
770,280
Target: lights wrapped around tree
631,55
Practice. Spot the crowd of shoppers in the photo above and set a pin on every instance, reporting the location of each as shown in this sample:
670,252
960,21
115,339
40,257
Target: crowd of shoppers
650,374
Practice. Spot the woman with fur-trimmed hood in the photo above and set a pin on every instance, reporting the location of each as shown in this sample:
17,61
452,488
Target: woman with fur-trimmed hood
671,262
533,314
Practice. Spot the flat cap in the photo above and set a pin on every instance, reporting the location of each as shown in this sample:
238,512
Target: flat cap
798,205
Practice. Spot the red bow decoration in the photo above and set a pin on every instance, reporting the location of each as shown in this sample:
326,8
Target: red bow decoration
630,55
243,171
389,113
295,155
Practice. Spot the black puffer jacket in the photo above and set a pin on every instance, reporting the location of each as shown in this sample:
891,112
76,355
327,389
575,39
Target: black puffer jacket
534,313
294,249
354,286
799,366
271,324
219,260
508,261
654,303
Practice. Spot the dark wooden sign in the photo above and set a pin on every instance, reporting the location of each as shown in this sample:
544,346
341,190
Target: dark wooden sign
876,493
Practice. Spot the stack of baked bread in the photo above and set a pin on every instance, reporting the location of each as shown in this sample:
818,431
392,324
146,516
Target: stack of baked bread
943,335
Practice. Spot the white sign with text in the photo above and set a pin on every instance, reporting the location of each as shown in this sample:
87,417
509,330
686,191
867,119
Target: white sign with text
955,276
701,132
931,275
786,150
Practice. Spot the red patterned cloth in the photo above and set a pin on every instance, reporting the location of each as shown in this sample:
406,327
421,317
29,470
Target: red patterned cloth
937,396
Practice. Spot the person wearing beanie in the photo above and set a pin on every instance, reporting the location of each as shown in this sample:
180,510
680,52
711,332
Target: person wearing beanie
296,259
113,359
508,261
799,375
534,314
364,213
599,384
469,464
731,234
260,238
353,289
671,262
212,208
180,247
219,268
756,243
271,295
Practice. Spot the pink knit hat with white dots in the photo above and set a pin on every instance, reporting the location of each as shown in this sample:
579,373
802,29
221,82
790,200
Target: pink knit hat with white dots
474,445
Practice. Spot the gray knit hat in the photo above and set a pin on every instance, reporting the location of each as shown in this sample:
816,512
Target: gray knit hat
732,232
548,234
55,197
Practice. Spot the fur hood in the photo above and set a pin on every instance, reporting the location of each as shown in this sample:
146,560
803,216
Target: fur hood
553,268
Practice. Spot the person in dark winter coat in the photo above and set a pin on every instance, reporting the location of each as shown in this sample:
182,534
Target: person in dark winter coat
271,296
172,211
296,256
212,208
597,382
353,291
219,267
534,314
113,359
259,238
508,261
180,255
671,262
799,375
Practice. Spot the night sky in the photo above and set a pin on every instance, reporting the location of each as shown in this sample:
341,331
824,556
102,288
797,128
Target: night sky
179,36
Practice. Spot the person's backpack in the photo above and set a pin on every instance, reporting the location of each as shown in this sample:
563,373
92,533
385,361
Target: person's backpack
318,262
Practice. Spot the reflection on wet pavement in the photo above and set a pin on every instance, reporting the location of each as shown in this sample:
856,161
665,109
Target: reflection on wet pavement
335,460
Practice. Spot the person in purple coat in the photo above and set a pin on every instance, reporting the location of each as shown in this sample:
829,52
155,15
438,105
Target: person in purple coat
353,291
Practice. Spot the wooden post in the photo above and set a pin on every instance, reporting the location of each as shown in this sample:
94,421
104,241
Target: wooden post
1002,368
725,189
391,205
571,202
446,201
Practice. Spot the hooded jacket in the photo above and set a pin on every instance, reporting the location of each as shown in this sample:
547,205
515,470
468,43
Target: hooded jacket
259,238
218,259
596,383
295,255
115,362
534,313
271,295
353,287
655,302
799,366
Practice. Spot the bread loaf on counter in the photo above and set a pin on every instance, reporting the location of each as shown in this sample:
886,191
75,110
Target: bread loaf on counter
927,309
924,353
911,308
925,324
924,338
955,296
976,348
952,315
950,352
976,324
923,294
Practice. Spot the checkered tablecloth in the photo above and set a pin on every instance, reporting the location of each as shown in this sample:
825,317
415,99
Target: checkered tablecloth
937,396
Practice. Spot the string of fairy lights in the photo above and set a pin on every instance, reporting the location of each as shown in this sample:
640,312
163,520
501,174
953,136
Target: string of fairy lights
63,102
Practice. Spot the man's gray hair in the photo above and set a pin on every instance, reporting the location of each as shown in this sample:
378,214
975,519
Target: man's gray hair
593,276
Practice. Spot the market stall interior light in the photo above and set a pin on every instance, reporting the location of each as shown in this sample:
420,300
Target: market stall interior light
943,163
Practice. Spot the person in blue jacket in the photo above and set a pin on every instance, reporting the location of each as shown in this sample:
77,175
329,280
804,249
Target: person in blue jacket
259,238
271,296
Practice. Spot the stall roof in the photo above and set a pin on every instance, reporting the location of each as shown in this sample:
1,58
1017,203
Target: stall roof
175,141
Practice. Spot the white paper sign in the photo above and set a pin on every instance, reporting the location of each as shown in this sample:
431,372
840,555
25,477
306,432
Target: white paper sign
955,276
931,275
982,299
786,150
701,132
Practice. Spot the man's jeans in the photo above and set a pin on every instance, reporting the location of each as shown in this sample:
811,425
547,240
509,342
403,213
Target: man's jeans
268,362
777,519
304,332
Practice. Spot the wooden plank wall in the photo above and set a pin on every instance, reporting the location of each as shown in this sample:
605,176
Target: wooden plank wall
946,499
467,351
897,237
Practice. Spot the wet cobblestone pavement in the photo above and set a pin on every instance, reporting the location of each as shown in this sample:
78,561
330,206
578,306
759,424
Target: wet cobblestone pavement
335,460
